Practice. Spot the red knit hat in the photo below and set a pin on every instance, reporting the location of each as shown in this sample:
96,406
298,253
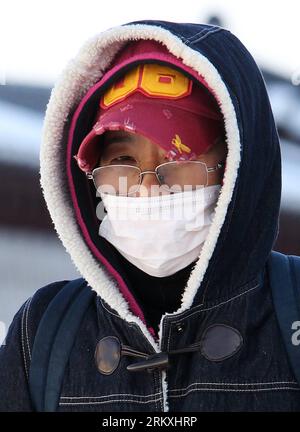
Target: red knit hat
155,100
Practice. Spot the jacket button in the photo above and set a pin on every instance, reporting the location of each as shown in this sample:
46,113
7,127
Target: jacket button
180,327
107,354
220,341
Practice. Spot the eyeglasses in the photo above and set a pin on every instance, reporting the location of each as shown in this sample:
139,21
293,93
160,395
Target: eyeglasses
173,177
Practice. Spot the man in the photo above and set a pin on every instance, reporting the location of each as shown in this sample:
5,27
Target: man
155,117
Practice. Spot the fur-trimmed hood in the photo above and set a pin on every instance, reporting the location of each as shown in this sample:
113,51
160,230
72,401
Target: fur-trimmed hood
245,223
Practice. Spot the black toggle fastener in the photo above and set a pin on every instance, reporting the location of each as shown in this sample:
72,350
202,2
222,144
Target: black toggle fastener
218,342
155,361
158,360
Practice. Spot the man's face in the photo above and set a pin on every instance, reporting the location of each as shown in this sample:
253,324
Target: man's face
137,150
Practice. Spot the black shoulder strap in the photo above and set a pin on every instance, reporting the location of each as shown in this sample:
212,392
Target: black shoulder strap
284,271
53,343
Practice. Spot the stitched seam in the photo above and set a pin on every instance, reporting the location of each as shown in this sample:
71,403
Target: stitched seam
235,384
115,394
106,402
169,340
218,305
247,284
157,381
23,340
26,328
236,390
156,387
163,330
161,399
207,309
206,34
196,35
182,38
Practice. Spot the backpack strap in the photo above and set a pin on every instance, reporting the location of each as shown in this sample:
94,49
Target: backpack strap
284,271
53,343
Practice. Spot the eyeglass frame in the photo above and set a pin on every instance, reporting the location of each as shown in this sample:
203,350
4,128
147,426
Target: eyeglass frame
90,175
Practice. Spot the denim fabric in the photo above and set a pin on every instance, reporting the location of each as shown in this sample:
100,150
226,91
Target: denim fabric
235,290
256,378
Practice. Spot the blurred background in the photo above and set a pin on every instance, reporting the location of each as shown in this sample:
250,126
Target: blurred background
36,41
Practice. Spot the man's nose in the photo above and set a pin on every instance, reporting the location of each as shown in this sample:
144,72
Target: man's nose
149,185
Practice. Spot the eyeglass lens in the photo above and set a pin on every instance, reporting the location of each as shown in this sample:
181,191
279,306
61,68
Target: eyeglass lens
174,177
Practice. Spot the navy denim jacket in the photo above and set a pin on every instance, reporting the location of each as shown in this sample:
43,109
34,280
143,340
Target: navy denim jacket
228,288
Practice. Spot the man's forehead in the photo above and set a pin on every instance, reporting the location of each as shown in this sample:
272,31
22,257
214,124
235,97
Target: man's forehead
128,139
124,136
119,136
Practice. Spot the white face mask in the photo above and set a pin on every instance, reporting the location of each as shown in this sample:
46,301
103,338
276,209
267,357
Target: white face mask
160,234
